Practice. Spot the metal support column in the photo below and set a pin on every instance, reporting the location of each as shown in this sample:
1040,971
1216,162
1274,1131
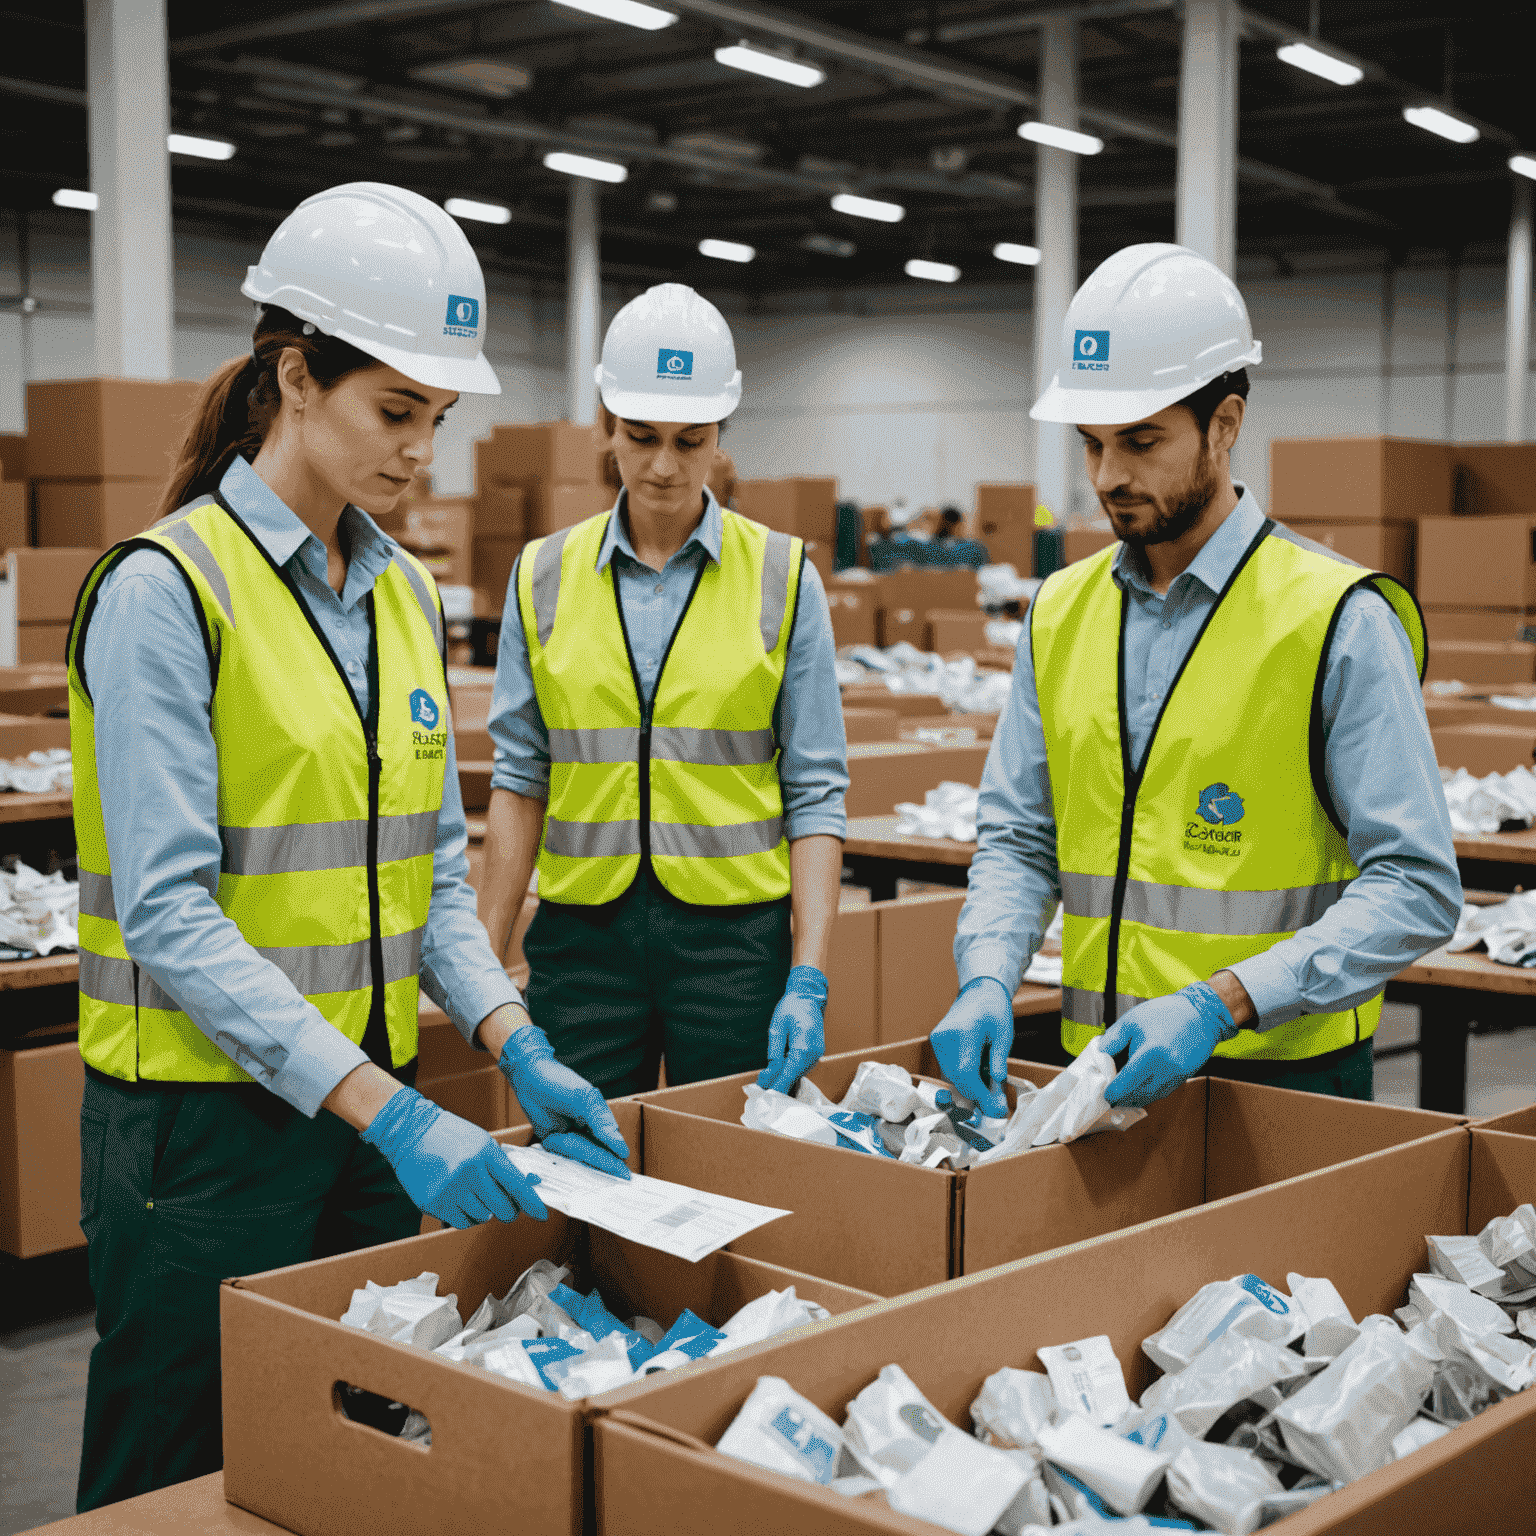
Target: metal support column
131,256
582,297
1056,235
1517,313
1207,179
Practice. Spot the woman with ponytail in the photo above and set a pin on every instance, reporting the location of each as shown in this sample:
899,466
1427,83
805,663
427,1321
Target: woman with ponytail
272,843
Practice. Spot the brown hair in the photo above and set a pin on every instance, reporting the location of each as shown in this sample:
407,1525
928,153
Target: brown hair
239,403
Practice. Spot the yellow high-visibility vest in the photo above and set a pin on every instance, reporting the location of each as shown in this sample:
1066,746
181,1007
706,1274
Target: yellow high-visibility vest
1225,840
328,820
693,780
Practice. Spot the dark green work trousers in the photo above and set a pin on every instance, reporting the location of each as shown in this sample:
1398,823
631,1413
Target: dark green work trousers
180,1188
616,987
1349,1073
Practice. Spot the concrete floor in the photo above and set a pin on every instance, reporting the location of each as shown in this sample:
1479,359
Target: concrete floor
49,1328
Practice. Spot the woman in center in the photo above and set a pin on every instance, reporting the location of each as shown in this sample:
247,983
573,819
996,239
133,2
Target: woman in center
670,751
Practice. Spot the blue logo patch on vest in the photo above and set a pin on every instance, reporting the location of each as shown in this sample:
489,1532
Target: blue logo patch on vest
424,708
1220,806
1090,351
673,364
463,317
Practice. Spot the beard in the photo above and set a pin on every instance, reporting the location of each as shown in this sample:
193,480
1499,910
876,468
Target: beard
1179,513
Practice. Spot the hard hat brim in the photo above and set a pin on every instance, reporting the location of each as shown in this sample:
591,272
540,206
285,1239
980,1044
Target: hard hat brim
1105,407
637,406
467,375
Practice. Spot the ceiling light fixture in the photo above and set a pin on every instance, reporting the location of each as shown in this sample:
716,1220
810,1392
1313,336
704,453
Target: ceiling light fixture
204,149
649,18
1060,138
775,66
1020,255
1433,120
585,165
726,250
868,208
1521,165
71,197
1301,55
934,271
485,213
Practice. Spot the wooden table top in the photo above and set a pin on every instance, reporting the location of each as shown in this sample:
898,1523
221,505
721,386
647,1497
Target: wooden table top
1471,970
44,971
877,836
1502,847
1031,999
59,805
195,1508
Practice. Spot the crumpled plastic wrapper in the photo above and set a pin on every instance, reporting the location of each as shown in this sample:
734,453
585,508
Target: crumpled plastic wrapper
1244,1305
784,1432
1223,1374
1012,1408
1121,1472
39,914
1507,930
1489,804
948,811
38,773
961,684
1071,1106
1228,1489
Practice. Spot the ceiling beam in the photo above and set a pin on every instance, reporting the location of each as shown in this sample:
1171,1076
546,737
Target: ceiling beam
325,18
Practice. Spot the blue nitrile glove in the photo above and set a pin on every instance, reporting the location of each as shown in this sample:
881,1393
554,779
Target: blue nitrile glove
1169,1038
561,1104
450,1168
977,1029
796,1034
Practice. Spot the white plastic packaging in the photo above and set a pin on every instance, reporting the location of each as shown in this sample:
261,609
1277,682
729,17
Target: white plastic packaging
599,1369
883,1090
1087,1379
515,1363
1416,1436
891,1426
539,1279
769,1110
1476,1314
1222,1487
1244,1304
784,1432
1012,1406
765,1316
1225,1373
1124,1474
960,1484
1070,1106
1462,1260
479,1344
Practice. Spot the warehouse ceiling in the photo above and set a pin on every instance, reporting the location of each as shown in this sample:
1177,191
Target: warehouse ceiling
920,106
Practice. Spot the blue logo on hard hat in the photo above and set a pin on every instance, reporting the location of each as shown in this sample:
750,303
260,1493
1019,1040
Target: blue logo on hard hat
1090,351
672,364
463,317
1219,805
424,708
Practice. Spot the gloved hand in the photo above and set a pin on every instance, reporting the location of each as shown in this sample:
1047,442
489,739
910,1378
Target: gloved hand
561,1104
1170,1039
450,1168
796,1034
977,1029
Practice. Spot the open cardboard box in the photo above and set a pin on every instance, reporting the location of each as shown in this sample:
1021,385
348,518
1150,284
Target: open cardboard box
890,1227
502,1454
1518,1122
1361,1224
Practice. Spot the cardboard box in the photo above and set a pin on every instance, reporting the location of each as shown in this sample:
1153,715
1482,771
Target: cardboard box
1378,546
551,506
918,981
37,689
13,456
1495,479
439,524
15,517
907,705
819,555
1002,500
501,512
853,967
1079,543
956,629
107,429
804,505
922,588
870,724
1450,623
1481,661
883,774
1348,479
20,734
1361,1224
72,514
40,1095
491,563
854,606
41,642
469,695
1484,749
1485,562
897,624
552,451
1517,1122
499,1450
479,1097
45,582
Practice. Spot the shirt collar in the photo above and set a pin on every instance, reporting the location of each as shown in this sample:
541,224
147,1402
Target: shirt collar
709,535
1214,565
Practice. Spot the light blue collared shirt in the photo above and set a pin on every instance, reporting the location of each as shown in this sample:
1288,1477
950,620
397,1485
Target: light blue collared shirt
158,771
807,720
1379,764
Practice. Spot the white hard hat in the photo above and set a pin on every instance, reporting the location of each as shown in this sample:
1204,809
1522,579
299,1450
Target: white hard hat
387,271
1153,324
668,356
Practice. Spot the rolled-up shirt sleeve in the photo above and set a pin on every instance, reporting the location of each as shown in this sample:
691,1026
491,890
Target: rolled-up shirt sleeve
158,773
519,737
808,722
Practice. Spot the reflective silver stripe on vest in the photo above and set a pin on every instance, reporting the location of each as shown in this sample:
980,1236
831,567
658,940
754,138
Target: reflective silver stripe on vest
307,847
1080,1007
96,896
592,839
610,744
110,980
423,597
681,840
727,749
775,588
186,539
1189,909
546,583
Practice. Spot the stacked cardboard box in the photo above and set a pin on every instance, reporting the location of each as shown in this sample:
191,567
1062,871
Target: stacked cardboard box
15,509
1494,479
1079,543
956,629
439,533
1478,574
884,774
804,505
41,1086
905,597
37,598
99,452
855,609
1004,521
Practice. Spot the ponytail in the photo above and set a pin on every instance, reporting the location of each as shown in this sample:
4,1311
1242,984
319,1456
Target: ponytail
239,403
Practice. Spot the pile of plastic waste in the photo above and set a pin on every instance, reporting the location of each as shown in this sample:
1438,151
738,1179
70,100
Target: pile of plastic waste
1498,802
1001,583
1507,930
948,811
889,1113
38,773
904,669
39,914
1266,1403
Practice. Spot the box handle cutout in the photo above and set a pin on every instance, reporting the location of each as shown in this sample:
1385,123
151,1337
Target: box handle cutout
376,1412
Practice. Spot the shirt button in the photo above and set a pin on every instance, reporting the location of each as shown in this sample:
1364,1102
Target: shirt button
658,589
353,668
1167,623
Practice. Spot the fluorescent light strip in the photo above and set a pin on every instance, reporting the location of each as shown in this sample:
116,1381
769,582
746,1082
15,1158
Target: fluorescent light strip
1061,138
584,165
775,67
934,271
204,149
726,250
1022,255
70,197
1433,120
1521,165
868,208
648,18
486,213
1303,56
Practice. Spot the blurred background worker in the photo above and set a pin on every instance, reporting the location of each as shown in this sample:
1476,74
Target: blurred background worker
669,747
271,840
1215,752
